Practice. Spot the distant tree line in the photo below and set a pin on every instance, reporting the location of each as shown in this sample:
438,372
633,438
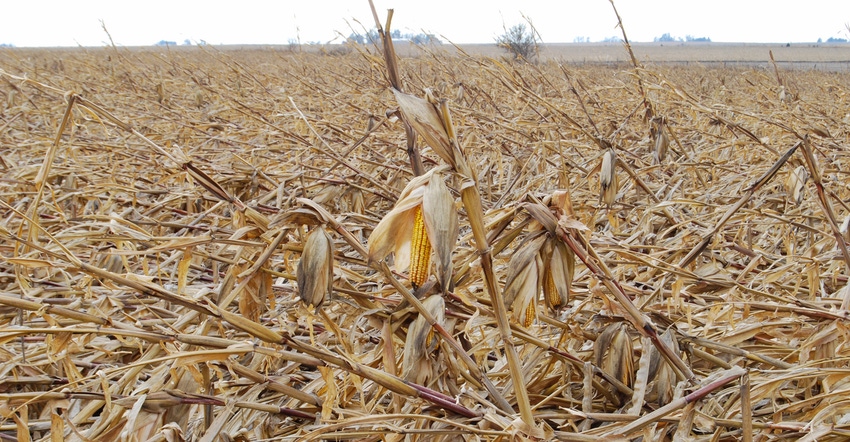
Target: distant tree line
372,36
667,38
186,42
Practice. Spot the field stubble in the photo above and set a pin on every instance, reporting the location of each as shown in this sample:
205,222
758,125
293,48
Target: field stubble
156,205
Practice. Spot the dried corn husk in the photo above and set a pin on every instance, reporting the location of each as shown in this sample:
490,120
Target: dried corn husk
395,232
421,341
425,118
608,183
558,269
315,270
525,279
795,184
613,352
441,224
662,377
662,142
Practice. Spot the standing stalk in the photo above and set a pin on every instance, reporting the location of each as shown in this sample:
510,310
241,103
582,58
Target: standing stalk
395,83
471,198
432,120
472,202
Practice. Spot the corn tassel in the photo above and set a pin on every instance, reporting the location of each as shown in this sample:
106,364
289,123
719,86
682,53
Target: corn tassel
420,251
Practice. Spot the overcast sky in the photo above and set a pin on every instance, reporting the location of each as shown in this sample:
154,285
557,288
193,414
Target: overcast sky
131,23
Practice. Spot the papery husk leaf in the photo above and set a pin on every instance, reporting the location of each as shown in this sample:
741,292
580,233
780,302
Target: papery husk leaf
441,223
525,280
395,230
662,142
796,184
425,119
523,258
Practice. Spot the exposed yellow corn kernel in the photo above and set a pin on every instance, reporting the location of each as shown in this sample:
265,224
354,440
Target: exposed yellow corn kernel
530,313
420,251
550,291
558,275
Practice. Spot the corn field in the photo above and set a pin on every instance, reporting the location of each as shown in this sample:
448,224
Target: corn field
212,245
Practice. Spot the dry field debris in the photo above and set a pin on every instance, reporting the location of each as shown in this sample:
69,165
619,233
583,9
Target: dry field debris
214,245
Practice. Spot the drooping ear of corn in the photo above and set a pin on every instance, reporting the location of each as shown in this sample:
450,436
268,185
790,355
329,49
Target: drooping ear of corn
423,220
608,182
795,185
558,269
315,270
662,377
394,232
525,279
613,352
440,216
783,95
420,250
421,341
662,141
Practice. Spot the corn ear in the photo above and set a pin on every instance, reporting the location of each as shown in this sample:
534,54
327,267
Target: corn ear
530,313
420,342
662,142
394,232
440,216
608,182
558,274
423,116
662,377
550,293
525,279
420,250
795,185
315,270
613,353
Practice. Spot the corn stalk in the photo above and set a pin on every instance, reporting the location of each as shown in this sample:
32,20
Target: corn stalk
432,120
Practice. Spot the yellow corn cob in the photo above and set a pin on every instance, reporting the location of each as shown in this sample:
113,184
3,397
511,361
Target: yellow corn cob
420,251
550,292
530,313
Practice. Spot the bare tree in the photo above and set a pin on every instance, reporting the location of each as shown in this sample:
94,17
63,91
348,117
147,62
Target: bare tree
519,41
